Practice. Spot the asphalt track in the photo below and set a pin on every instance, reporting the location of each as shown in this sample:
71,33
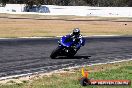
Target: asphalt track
22,56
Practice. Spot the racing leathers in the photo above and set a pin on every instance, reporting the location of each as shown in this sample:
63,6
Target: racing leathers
78,39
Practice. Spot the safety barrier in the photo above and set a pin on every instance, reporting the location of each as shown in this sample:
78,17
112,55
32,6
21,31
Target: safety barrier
68,10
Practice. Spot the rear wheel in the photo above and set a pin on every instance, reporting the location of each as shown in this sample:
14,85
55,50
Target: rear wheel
55,52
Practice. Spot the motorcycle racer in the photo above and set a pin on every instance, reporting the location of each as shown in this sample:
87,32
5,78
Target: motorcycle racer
69,45
77,38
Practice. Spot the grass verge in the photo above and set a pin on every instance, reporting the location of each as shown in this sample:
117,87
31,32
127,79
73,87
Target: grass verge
69,78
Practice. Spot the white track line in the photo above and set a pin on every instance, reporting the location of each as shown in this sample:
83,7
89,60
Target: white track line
28,74
61,36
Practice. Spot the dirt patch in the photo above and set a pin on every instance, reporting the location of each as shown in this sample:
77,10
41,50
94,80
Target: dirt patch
19,27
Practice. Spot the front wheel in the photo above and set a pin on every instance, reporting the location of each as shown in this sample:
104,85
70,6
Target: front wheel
55,52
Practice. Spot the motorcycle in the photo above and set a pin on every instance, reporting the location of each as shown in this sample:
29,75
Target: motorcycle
67,47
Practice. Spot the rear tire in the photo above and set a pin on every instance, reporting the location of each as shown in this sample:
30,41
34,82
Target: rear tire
55,52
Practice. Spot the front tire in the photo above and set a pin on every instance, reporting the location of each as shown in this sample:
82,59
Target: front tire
55,52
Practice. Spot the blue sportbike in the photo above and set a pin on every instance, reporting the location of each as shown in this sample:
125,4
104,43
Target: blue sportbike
67,47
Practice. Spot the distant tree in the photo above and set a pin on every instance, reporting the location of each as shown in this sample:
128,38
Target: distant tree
120,3
19,1
3,2
106,3
78,3
130,3
89,2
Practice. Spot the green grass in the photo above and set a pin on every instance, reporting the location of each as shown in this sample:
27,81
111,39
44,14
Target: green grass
121,70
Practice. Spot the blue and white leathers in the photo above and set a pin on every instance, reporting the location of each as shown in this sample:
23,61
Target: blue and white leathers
70,40
68,46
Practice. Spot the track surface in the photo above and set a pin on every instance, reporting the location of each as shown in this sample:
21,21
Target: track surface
21,56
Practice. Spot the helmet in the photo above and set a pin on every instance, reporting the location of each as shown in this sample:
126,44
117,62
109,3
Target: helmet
76,31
